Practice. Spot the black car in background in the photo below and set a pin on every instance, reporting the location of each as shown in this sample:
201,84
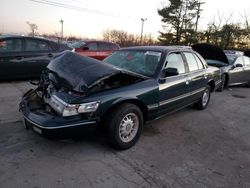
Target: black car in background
25,57
133,85
234,65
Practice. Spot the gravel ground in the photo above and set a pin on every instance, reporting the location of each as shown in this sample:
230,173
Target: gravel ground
189,148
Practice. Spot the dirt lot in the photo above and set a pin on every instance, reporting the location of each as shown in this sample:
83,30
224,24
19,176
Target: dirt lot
189,148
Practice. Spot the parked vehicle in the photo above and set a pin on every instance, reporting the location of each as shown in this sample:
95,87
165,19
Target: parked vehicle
25,57
131,86
94,48
234,66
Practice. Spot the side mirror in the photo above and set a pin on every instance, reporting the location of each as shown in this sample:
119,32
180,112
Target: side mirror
169,72
85,48
238,65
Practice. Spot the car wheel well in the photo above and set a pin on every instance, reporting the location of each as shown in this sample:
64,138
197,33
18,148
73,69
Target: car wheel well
212,85
138,103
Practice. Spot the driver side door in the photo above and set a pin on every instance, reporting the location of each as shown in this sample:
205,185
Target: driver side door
174,91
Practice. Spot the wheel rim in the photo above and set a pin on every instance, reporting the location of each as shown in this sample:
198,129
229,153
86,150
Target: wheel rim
205,97
128,127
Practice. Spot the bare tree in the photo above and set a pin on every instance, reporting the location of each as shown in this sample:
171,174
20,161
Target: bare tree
33,28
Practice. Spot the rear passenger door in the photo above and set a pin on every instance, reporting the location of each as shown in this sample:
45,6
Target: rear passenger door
11,58
197,77
37,55
174,91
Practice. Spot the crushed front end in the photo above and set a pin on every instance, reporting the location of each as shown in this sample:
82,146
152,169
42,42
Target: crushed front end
41,116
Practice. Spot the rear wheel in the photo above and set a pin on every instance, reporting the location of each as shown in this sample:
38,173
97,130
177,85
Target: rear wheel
204,100
125,124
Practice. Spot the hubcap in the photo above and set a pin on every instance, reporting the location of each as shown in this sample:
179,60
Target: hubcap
205,97
128,127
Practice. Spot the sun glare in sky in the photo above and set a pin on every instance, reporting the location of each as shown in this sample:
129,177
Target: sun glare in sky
89,18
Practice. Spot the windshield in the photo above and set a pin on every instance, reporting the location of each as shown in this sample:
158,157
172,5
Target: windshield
231,58
141,62
77,44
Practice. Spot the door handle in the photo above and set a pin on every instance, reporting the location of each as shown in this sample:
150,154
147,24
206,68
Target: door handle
50,55
188,81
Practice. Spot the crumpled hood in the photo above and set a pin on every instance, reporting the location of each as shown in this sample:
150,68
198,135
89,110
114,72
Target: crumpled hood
78,72
208,51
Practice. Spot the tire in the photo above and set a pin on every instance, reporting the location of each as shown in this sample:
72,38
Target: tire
125,124
223,82
204,100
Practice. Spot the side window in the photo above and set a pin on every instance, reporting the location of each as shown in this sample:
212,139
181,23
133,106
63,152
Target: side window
200,64
239,60
113,47
92,46
191,61
36,45
103,46
11,45
175,61
247,61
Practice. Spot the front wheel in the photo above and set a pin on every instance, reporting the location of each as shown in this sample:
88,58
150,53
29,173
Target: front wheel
204,100
125,124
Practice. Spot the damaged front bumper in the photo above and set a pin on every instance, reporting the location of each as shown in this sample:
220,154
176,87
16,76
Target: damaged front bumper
43,122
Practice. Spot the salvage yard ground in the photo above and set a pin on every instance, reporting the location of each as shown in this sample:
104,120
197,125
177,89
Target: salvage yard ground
189,148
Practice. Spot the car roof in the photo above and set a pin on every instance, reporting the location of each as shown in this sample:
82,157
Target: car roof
163,49
92,40
233,52
25,37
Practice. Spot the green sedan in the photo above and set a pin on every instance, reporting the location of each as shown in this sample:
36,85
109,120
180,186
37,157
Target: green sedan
130,87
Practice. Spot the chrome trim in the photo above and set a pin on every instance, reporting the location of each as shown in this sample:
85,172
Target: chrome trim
237,83
182,96
198,91
58,127
174,99
152,106
60,100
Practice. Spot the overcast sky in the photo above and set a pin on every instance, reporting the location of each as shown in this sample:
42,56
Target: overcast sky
95,16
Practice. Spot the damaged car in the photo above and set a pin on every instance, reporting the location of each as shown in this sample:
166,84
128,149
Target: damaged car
132,86
234,65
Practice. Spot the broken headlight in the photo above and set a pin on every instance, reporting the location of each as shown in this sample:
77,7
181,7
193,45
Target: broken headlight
72,109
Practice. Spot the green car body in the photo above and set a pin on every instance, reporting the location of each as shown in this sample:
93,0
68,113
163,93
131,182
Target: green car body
150,95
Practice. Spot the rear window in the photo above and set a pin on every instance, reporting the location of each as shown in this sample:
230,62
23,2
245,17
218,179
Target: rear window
247,61
103,46
36,45
77,44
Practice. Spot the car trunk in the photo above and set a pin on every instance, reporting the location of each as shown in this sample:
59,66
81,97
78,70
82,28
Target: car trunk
211,52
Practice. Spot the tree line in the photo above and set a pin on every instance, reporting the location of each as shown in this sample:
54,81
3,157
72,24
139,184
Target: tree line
181,26
180,18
